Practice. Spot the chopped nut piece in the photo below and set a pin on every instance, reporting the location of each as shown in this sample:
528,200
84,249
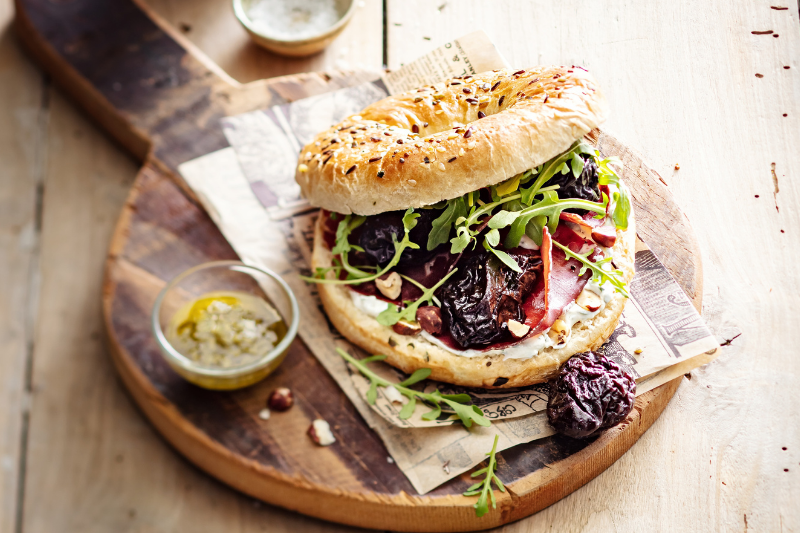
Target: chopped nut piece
393,395
558,332
264,414
406,328
281,399
605,236
430,319
589,300
390,286
320,433
518,329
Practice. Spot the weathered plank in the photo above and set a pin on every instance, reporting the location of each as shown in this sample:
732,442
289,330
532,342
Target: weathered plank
23,115
681,79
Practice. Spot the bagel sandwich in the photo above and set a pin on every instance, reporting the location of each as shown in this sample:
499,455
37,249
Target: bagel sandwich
469,228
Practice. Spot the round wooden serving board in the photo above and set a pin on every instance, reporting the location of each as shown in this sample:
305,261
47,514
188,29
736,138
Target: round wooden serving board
163,101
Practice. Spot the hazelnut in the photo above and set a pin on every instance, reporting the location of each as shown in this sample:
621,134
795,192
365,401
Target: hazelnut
518,329
406,328
589,300
281,399
320,433
558,332
430,319
390,286
605,236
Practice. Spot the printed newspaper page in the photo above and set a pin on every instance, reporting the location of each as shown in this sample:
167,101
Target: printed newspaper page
250,192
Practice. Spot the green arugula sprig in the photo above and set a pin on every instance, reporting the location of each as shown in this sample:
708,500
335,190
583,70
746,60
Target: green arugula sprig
622,201
392,314
342,247
484,487
599,274
459,404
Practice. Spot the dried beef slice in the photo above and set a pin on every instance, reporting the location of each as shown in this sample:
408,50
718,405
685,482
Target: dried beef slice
484,295
591,392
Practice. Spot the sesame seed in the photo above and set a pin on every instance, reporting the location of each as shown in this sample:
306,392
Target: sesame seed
438,112
472,101
349,170
481,114
496,85
387,133
402,160
412,182
302,168
468,133
327,159
518,72
424,124
546,97
441,166
435,102
451,159
452,136
471,145
441,149
502,99
418,99
375,139
375,159
461,152
466,90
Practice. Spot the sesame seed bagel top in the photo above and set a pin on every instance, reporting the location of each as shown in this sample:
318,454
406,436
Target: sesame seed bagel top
445,140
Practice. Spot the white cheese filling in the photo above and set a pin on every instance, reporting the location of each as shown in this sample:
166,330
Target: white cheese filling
528,348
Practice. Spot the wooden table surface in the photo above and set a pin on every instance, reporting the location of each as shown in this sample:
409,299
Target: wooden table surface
713,106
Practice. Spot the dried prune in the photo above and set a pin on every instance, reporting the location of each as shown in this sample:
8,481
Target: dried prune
379,232
484,294
591,392
584,187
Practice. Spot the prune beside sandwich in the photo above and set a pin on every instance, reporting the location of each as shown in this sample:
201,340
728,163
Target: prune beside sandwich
468,227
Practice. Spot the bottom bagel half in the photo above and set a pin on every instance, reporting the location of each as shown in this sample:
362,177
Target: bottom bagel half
409,353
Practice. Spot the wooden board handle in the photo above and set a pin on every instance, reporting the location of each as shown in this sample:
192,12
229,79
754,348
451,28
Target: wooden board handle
129,73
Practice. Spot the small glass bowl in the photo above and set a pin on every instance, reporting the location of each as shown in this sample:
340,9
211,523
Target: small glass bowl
300,46
224,276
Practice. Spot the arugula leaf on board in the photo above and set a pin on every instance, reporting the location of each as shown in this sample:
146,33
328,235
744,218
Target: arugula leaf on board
458,404
392,314
483,488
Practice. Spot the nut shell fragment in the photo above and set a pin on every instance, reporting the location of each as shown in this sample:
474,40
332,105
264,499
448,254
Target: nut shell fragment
320,432
281,399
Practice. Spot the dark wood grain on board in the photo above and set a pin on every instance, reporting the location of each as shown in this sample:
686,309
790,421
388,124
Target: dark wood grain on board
164,105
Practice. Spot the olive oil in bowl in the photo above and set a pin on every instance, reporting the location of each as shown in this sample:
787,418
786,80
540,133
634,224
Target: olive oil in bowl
225,329
217,328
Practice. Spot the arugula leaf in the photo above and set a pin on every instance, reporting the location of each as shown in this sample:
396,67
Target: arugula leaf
501,219
599,274
577,165
458,404
440,233
551,207
343,231
409,222
392,314
483,488
509,261
622,206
